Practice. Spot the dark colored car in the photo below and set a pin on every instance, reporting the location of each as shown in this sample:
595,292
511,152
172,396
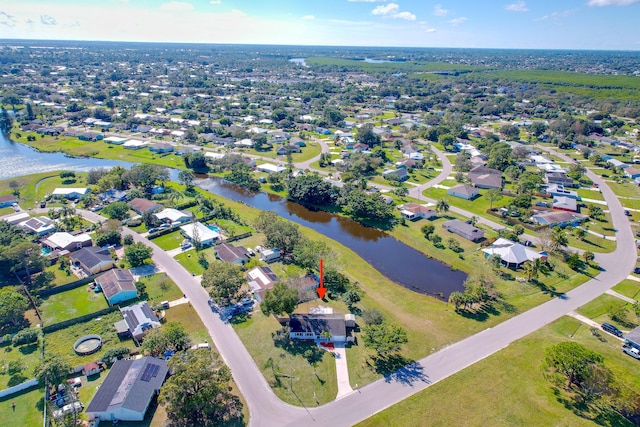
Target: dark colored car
627,213
636,270
608,327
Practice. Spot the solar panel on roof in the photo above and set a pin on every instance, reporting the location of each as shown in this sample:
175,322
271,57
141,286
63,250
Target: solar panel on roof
146,375
154,369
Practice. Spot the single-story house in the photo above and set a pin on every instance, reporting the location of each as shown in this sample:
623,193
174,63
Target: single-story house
70,193
298,141
91,368
563,203
7,200
462,229
115,140
484,177
161,147
67,242
559,178
233,254
140,205
17,218
632,172
134,144
113,196
555,190
174,216
270,255
117,285
92,260
128,389
198,231
512,254
260,280
269,168
617,163
41,225
540,160
90,136
290,148
399,174
414,211
466,192
137,320
559,218
312,326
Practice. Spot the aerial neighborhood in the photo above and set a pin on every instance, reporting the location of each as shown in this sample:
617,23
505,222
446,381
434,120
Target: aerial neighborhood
316,230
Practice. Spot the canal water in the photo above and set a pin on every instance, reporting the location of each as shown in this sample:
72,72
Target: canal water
394,259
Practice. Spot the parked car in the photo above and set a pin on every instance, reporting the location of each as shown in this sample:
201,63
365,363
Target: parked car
608,327
43,204
164,226
631,351
153,230
604,175
527,243
636,270
627,213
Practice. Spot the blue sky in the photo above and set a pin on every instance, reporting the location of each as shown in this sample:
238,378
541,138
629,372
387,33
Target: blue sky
544,24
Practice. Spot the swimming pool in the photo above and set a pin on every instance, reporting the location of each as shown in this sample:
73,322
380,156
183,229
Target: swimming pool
45,251
213,228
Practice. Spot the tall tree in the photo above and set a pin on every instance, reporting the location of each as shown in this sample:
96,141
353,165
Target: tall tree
137,254
198,392
280,300
13,305
224,282
493,195
186,177
385,338
53,370
442,206
571,360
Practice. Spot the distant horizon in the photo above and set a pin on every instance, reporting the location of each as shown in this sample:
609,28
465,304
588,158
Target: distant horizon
10,40
598,25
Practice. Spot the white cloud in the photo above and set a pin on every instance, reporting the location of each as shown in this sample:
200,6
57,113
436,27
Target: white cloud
176,6
405,15
215,1
439,11
430,30
388,9
557,15
366,1
347,22
517,7
47,20
6,19
308,17
458,21
601,3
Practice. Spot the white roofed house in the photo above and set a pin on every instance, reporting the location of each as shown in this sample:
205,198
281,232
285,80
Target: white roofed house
174,216
66,242
198,231
138,319
41,225
260,280
269,168
512,254
70,193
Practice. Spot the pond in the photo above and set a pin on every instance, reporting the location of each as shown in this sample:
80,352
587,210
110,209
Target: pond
394,259
18,159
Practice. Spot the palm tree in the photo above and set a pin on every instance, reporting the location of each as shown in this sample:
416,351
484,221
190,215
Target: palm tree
457,299
530,271
493,196
442,206
559,238
474,220
175,196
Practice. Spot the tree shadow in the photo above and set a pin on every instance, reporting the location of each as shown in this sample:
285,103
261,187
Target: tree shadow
397,368
28,348
16,379
549,290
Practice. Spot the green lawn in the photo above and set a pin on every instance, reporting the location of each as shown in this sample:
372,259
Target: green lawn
187,316
71,304
60,343
189,259
586,193
508,388
288,361
478,206
27,184
169,241
28,409
628,288
600,308
160,287
61,276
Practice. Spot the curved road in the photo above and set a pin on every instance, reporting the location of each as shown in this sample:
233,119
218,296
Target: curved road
267,410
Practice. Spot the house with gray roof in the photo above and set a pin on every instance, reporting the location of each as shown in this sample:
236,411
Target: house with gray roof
462,229
484,177
117,285
138,319
233,254
466,192
311,326
127,391
92,260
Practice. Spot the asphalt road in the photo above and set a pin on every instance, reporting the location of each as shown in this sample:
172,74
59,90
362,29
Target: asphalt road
267,410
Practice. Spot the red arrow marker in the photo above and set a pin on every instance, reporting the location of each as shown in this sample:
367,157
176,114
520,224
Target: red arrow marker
321,289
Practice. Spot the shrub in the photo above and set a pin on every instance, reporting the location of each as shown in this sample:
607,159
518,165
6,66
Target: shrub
128,239
117,352
134,222
25,336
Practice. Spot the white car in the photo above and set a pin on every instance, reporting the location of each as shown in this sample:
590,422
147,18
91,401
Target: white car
631,351
67,409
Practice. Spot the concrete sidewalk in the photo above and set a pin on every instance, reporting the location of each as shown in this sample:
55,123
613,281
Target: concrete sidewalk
622,297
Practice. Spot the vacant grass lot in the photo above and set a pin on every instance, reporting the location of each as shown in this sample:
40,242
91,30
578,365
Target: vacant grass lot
601,308
27,187
169,241
71,304
160,287
509,388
